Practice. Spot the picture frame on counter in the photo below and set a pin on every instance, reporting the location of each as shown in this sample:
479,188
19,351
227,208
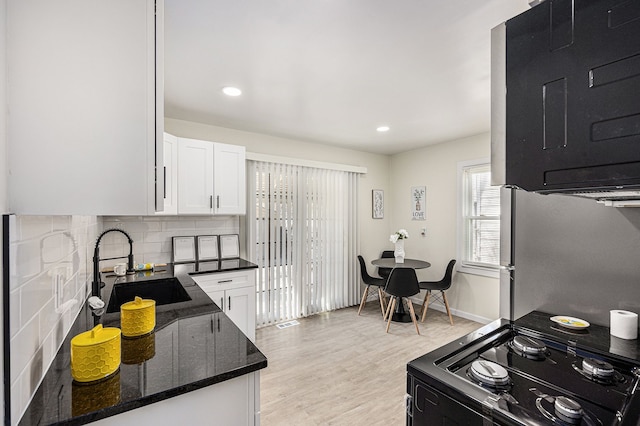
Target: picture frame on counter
229,246
207,247
183,249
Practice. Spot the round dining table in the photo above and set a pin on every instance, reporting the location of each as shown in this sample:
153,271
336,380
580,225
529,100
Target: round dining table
400,315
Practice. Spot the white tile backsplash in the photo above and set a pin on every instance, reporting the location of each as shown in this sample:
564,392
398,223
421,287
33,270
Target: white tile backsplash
152,235
43,250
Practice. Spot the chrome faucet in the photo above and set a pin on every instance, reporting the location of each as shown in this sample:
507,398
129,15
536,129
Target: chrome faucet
97,283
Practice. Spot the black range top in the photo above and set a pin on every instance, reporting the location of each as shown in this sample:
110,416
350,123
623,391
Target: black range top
507,374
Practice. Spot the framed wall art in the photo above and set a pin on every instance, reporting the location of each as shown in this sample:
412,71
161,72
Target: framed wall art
207,247
377,203
229,246
184,249
419,203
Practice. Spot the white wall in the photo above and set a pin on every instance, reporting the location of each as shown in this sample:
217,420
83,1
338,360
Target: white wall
435,167
374,233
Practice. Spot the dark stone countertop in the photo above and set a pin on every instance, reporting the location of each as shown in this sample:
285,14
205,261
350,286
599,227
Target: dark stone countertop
595,337
194,345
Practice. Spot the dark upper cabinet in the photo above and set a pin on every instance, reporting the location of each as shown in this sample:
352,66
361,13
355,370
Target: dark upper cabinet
573,96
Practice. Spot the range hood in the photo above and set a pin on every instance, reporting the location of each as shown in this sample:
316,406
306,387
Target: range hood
565,109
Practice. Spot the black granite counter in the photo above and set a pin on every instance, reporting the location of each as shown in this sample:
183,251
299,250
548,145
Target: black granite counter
595,337
194,345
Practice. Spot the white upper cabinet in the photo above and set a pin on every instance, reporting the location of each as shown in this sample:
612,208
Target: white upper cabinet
211,178
195,176
170,175
229,179
85,92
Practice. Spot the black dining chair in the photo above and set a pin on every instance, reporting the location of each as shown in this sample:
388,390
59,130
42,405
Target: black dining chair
402,283
369,281
441,286
384,272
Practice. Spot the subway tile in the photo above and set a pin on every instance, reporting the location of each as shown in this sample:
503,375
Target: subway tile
34,295
14,312
28,261
34,226
23,345
16,405
61,222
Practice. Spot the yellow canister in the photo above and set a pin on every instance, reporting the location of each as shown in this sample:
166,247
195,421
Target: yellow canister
95,354
138,317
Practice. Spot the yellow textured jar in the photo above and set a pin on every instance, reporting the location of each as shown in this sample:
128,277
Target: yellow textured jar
95,354
138,317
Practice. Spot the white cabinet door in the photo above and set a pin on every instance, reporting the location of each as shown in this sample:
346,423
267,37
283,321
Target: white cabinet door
82,128
229,179
241,309
170,175
235,293
195,176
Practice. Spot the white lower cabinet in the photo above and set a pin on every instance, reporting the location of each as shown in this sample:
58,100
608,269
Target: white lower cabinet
232,402
235,293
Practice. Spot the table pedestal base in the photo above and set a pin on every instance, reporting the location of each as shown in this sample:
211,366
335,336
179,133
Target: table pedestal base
400,315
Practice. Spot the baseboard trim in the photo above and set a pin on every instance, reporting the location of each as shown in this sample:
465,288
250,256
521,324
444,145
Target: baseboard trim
462,314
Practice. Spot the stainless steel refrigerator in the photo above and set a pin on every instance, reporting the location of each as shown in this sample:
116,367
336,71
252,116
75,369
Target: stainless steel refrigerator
568,256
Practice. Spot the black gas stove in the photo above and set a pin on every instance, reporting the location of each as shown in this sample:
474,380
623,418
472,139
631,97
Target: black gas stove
510,373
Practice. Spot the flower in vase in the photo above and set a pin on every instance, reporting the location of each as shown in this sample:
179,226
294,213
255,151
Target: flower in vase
400,234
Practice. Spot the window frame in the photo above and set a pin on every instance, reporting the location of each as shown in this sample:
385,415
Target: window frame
463,265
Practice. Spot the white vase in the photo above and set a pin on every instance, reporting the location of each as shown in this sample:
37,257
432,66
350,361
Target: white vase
399,251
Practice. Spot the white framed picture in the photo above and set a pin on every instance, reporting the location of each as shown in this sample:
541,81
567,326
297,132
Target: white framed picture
419,203
377,203
229,246
184,249
207,247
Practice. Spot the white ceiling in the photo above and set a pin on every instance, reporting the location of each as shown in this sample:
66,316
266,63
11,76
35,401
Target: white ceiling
331,71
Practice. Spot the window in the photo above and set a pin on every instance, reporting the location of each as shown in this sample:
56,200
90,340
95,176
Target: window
478,219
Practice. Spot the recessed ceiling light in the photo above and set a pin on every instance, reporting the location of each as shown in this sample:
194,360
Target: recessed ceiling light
383,129
231,91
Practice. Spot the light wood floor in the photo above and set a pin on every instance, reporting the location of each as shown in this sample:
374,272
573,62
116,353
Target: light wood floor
339,368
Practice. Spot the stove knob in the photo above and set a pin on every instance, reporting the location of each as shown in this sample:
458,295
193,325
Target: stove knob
568,410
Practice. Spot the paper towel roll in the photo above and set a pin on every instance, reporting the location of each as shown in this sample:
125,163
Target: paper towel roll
624,324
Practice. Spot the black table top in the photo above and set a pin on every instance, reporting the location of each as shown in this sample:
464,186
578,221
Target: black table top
194,345
390,262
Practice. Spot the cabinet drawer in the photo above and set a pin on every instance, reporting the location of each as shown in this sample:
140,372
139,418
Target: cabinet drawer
224,280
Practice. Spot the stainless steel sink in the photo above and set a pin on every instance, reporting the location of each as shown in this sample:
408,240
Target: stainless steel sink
164,291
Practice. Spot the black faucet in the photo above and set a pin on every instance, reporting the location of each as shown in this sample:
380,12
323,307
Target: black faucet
96,284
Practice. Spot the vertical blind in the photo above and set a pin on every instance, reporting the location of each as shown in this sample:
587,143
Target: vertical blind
302,233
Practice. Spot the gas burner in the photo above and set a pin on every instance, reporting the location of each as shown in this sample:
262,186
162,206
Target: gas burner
562,410
599,371
489,374
528,347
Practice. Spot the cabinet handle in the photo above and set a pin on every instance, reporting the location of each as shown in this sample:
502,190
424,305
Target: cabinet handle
222,303
225,281
229,302
165,181
217,201
210,201
212,330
